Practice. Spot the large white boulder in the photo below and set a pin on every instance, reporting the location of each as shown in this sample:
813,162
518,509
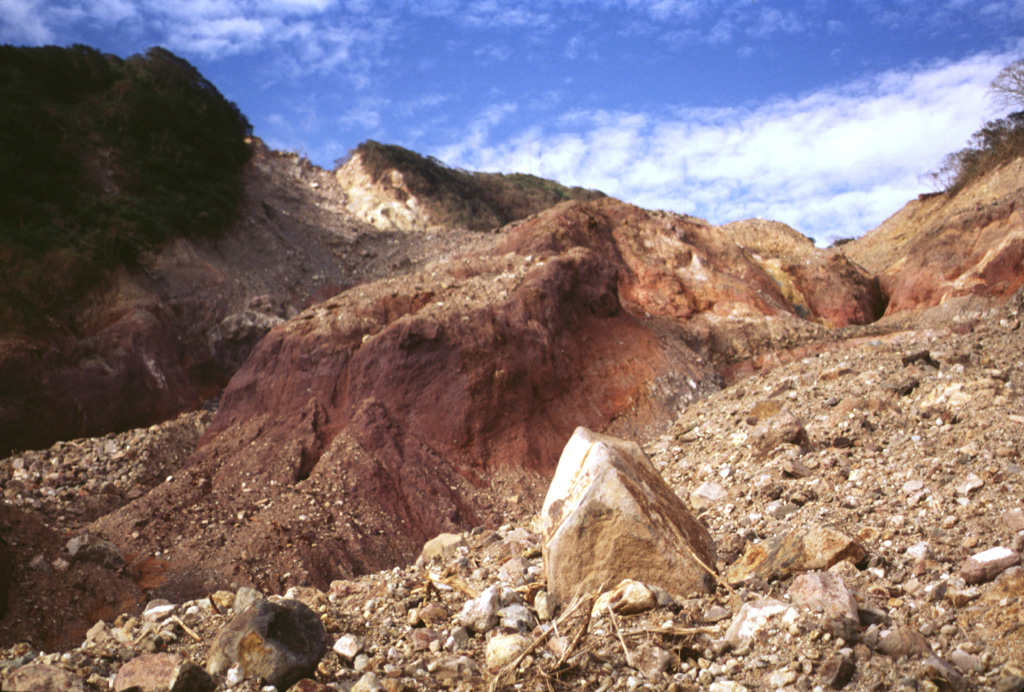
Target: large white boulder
609,516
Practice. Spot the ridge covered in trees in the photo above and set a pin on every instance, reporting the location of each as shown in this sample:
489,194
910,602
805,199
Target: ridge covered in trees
101,158
462,199
998,142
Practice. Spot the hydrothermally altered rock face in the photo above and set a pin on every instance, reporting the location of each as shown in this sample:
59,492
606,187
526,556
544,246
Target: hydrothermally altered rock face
419,399
403,409
949,247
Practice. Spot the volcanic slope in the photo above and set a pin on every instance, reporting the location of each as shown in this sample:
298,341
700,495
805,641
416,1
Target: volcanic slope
440,400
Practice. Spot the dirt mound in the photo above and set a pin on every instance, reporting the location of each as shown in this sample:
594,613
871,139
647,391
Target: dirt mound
440,400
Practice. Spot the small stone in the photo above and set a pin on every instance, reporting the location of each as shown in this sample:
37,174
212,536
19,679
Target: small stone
781,678
443,546
629,597
943,674
517,617
348,647
752,618
278,641
88,548
965,661
244,598
308,685
433,613
368,683
793,468
422,638
707,494
727,686
545,604
158,609
987,565
919,552
825,592
903,641
39,563
98,633
37,677
480,614
1011,678
838,670
458,639
162,673
799,550
652,660
502,649
912,486
1014,519
972,483
222,600
717,614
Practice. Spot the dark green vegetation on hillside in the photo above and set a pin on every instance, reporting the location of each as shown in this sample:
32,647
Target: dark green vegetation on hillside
997,143
101,158
462,199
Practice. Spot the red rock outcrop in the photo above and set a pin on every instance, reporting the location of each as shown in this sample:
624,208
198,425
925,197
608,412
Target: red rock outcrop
441,400
941,247
823,285
126,373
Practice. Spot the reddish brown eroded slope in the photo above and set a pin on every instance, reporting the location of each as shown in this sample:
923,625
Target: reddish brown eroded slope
440,400
940,247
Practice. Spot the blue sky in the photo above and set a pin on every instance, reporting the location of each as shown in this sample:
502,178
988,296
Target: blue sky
824,114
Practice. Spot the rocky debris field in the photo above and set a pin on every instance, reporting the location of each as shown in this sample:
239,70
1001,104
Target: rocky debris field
867,504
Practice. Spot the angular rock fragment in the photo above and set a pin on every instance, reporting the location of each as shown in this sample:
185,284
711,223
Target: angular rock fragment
707,494
988,564
502,649
903,641
443,546
277,641
943,674
838,670
348,647
652,660
752,618
1014,519
480,614
609,516
37,677
797,551
783,427
825,592
368,683
162,673
88,548
629,597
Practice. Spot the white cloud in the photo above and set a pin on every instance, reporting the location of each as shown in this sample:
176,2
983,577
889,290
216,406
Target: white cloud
831,163
24,21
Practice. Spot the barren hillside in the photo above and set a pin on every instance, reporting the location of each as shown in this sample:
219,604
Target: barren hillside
296,405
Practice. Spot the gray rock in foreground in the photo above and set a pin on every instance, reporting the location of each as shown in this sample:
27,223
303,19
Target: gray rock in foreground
278,641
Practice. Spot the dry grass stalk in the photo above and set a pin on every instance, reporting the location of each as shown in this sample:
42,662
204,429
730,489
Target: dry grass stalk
509,670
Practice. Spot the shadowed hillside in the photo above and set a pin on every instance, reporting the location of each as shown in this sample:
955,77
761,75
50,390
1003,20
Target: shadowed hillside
99,159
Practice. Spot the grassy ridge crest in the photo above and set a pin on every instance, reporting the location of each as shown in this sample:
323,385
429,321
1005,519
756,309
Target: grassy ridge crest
463,199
